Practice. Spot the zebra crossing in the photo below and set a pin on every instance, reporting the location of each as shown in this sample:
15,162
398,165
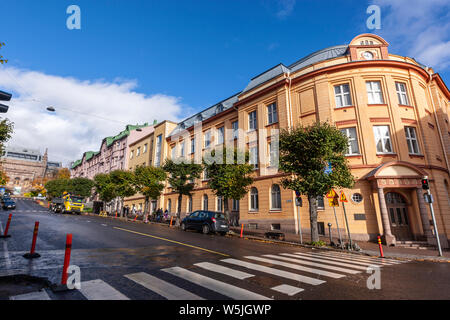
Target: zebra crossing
293,273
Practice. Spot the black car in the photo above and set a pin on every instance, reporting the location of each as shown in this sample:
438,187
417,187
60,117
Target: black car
206,221
9,204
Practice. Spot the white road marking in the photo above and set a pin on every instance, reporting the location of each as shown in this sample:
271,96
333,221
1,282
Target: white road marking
105,225
297,267
100,290
164,289
362,258
287,289
38,295
363,263
214,285
224,270
313,264
319,259
275,272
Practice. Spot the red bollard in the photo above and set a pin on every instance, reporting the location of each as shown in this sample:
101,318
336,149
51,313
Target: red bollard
381,247
66,259
33,254
5,235
242,230
171,220
135,218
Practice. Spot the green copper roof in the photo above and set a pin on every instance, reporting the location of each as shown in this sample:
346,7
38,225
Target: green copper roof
109,141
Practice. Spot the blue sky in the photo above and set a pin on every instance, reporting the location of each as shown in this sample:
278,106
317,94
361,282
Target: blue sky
187,54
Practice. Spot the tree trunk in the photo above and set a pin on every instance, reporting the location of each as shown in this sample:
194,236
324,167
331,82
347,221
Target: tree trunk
227,210
313,218
180,198
146,210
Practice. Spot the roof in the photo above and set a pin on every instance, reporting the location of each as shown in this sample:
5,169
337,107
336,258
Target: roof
109,141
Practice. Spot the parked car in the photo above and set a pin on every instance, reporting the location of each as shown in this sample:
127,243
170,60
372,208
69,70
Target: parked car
9,204
206,221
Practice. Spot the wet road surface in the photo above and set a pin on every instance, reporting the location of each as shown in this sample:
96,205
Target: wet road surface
124,260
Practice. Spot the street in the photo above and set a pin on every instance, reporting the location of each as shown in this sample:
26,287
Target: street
125,260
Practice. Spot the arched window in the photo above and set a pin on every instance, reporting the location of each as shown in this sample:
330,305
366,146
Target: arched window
169,205
254,199
276,197
205,202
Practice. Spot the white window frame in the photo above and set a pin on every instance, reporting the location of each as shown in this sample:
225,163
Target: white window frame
182,149
402,93
254,200
374,95
193,145
342,95
220,135
235,129
272,113
131,154
235,205
138,152
207,139
254,159
219,204
273,155
350,151
382,136
410,140
145,148
158,151
205,202
252,120
275,198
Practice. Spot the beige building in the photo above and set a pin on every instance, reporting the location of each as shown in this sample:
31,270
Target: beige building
394,111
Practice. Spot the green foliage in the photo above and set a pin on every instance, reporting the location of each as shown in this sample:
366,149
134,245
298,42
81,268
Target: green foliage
304,154
78,186
123,181
230,179
180,177
148,181
2,61
6,130
81,186
104,187
319,243
306,151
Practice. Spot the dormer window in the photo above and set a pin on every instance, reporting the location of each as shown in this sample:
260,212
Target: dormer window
219,108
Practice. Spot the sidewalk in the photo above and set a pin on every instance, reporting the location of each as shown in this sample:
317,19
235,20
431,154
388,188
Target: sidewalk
367,248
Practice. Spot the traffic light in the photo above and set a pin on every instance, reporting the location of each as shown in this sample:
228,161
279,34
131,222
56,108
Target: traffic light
425,185
4,96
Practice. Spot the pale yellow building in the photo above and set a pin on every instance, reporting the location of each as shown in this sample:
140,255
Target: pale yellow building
394,111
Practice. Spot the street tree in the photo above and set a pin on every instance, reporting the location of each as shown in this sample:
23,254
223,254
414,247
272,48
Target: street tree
123,182
55,188
149,181
4,179
229,179
105,189
181,178
305,153
80,186
63,173
2,60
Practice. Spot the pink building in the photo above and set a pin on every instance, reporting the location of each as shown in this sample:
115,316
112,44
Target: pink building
112,153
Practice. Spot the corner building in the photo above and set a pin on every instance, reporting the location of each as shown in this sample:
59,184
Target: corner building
394,111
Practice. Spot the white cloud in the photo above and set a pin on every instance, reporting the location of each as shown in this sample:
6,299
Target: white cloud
418,28
66,133
285,8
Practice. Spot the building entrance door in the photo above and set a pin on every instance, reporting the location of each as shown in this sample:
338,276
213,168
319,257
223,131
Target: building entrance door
398,216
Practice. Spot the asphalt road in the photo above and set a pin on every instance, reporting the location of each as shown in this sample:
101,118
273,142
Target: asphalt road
125,260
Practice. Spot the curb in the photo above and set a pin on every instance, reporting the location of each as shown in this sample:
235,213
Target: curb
368,253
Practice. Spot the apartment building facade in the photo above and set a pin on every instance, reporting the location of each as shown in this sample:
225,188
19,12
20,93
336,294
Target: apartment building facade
394,111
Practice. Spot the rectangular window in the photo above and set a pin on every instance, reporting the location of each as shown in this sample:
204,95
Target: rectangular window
235,206
254,156
173,152
158,151
252,120
219,204
207,139
145,148
235,126
193,145
272,113
220,135
342,95
182,149
273,153
138,152
320,203
131,154
382,139
350,133
205,175
411,140
374,94
401,93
